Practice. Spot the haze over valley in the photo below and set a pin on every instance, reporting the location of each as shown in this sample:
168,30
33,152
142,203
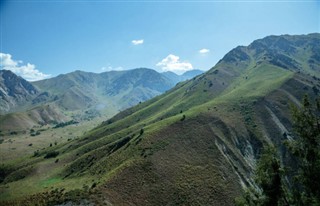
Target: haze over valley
176,121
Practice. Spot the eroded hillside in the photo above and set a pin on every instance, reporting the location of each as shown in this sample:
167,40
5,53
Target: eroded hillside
197,144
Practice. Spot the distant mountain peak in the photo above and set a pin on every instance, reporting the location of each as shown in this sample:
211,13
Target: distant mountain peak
185,76
14,90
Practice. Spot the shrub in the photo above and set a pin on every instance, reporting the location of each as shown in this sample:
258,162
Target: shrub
19,174
141,131
63,124
51,154
36,153
5,170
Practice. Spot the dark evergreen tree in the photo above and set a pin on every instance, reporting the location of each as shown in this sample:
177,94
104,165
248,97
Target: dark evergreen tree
306,148
271,189
268,178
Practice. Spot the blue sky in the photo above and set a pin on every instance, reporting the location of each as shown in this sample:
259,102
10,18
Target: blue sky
41,39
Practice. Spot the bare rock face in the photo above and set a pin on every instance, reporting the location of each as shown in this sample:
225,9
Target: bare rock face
14,91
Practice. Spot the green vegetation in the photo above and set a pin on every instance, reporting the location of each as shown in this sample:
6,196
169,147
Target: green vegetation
306,148
5,170
269,179
51,154
63,124
18,174
81,96
270,175
195,144
35,133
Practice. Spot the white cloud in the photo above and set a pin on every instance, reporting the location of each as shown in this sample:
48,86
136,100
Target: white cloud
27,71
137,42
110,68
203,51
172,63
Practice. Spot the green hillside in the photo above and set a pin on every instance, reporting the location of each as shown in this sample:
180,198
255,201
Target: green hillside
196,144
79,95
108,91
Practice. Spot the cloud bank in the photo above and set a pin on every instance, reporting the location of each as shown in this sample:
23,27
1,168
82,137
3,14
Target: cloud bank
204,51
137,42
172,63
28,71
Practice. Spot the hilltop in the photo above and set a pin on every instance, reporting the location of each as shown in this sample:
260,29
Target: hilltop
79,96
196,144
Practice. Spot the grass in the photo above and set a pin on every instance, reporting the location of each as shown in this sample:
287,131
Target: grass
259,82
48,182
17,146
198,145
92,156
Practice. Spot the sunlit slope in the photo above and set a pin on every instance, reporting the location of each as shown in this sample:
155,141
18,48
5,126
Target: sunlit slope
79,95
194,145
83,90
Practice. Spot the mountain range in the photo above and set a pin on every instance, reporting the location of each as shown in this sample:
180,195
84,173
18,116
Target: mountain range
83,94
196,144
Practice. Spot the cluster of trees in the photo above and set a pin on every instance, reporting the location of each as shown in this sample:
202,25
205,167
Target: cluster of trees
63,124
298,184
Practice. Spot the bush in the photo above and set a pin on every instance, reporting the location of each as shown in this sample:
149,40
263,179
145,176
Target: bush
51,154
5,170
63,124
36,153
141,131
19,174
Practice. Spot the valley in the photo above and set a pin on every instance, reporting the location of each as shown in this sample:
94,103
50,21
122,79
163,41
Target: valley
195,143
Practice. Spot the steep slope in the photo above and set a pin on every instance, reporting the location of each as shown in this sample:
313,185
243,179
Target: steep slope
112,91
38,116
134,86
197,144
14,91
77,94
71,91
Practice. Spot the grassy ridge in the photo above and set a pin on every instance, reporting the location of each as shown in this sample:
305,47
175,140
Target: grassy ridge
196,144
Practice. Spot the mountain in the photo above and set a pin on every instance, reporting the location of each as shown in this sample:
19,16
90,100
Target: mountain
80,94
190,74
14,91
113,91
185,76
196,144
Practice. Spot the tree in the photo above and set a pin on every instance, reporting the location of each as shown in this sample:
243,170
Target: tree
268,179
306,148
